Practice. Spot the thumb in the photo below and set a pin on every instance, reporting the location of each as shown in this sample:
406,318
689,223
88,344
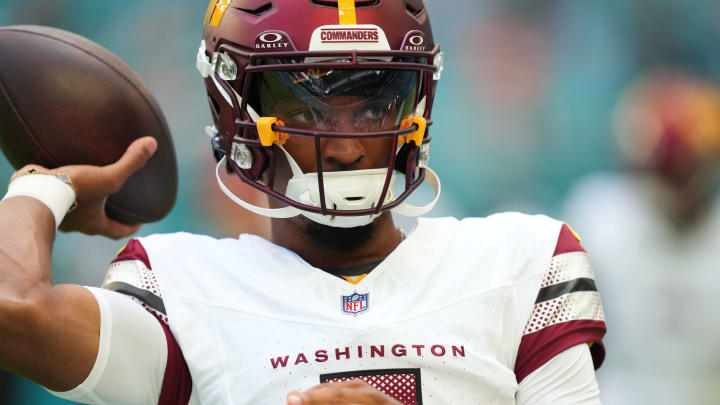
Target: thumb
294,398
134,158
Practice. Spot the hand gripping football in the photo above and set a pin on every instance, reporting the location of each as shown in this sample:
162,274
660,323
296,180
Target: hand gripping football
66,100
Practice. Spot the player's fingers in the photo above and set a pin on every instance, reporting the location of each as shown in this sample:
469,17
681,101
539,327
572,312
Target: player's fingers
340,394
354,383
134,158
294,398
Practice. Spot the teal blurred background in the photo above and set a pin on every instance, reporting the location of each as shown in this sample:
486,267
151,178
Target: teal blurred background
524,108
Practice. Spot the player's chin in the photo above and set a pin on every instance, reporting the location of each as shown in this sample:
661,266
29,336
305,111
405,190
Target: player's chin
336,239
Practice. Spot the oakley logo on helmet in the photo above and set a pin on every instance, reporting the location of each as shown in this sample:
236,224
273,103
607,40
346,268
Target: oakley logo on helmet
271,37
417,40
414,41
274,40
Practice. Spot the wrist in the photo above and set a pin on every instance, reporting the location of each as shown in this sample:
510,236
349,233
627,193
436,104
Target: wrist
55,191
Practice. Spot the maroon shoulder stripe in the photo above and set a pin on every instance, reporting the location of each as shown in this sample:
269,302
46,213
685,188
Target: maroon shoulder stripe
177,382
538,348
134,250
567,242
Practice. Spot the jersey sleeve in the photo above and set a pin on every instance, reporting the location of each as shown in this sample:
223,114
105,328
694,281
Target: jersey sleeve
132,359
130,274
567,311
568,378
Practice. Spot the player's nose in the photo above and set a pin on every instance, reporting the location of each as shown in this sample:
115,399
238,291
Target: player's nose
343,154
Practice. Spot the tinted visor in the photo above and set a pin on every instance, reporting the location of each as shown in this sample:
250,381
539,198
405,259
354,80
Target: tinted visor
340,100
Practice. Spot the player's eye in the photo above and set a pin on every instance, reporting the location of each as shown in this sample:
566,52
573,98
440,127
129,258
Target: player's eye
302,116
376,111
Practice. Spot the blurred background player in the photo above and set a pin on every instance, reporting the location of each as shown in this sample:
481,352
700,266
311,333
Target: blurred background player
654,231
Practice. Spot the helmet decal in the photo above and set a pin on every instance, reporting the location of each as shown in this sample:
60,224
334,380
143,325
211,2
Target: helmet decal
215,12
349,37
346,10
274,41
415,41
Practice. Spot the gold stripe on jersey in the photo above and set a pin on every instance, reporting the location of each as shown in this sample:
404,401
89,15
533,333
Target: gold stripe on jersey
355,279
575,234
122,249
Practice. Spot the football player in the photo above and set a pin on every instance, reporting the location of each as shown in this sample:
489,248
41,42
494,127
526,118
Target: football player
668,130
324,106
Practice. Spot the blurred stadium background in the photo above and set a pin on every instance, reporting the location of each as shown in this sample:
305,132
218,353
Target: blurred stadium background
525,110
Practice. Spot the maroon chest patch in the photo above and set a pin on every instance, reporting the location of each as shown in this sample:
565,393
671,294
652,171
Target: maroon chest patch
403,384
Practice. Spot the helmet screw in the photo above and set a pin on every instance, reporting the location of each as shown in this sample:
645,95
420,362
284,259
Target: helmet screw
424,155
228,67
439,66
241,155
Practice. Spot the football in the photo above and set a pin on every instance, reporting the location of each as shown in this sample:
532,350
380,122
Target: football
67,100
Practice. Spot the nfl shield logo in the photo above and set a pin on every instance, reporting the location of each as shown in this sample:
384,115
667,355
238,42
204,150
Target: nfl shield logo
355,303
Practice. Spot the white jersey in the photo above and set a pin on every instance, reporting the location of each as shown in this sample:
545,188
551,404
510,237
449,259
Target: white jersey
458,314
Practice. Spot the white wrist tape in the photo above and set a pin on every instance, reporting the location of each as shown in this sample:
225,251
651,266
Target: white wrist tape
57,195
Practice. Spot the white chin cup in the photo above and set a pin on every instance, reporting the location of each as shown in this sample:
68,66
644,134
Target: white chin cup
347,190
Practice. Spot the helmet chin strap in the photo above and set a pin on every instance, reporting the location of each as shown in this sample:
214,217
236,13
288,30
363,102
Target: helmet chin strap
306,185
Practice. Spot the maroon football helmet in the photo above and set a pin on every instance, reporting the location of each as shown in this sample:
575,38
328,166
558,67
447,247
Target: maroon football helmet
280,69
668,124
